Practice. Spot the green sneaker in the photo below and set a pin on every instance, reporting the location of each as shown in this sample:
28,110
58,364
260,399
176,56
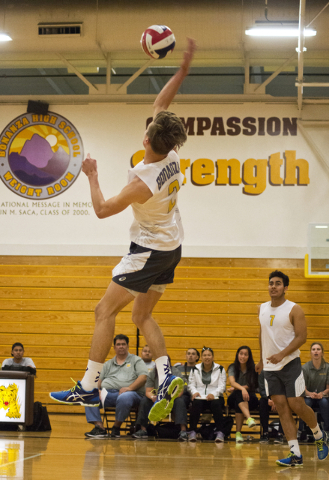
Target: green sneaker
239,437
251,422
168,391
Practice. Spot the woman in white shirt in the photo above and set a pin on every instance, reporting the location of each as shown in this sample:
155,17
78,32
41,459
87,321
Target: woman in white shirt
207,383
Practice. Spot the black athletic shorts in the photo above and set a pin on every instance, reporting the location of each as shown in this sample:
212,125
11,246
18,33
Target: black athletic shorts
289,381
144,267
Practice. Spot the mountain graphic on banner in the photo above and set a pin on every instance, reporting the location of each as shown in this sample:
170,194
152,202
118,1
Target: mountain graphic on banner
37,151
58,163
37,164
28,173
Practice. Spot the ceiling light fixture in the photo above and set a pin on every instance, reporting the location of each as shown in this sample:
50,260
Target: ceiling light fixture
4,37
278,31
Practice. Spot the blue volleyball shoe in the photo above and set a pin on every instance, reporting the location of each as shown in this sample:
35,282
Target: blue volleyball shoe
322,446
292,460
77,396
168,391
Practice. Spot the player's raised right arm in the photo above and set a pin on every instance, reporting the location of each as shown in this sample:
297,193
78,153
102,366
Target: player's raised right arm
169,91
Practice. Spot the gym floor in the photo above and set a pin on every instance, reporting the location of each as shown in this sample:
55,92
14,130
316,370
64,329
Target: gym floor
66,453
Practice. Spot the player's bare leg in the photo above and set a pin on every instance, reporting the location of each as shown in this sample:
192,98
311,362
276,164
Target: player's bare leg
169,386
306,413
303,411
142,318
286,418
86,392
114,300
285,406
294,459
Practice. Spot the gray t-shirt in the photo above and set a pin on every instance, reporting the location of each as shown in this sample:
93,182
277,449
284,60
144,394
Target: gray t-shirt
114,376
316,380
242,379
184,371
25,362
184,374
149,365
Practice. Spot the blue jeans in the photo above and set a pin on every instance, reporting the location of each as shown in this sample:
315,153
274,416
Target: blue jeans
323,407
122,403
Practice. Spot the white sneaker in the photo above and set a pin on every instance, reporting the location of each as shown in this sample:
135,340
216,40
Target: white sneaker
192,436
219,437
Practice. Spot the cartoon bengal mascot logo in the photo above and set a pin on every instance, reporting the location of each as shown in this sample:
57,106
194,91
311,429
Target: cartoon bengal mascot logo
9,400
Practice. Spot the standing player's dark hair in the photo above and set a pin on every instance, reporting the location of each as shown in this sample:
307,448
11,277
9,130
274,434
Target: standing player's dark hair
279,274
120,336
252,379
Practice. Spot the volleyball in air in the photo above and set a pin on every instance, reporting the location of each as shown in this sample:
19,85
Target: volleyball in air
157,41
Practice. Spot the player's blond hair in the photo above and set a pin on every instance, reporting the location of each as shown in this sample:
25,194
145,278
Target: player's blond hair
166,132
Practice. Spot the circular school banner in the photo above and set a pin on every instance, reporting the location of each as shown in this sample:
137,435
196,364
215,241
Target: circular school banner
40,155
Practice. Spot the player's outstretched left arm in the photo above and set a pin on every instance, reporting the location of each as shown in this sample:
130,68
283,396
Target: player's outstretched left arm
169,91
136,191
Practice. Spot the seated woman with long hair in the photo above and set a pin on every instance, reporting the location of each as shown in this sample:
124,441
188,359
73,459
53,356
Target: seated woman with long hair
207,383
316,376
243,380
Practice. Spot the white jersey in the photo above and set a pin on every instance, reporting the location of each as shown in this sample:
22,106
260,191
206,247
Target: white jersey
277,332
157,223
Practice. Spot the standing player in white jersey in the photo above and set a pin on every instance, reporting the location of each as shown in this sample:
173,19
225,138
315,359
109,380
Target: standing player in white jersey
282,331
156,236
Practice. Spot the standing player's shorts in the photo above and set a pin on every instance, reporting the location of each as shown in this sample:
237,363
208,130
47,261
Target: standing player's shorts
143,268
289,381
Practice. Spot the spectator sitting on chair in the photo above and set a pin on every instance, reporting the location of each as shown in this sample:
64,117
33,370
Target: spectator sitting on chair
207,383
146,356
179,411
123,377
19,362
192,357
265,406
243,380
316,375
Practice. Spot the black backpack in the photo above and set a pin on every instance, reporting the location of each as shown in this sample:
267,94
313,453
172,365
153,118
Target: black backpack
41,421
208,430
167,430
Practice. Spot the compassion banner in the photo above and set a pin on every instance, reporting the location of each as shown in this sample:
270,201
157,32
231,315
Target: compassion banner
252,183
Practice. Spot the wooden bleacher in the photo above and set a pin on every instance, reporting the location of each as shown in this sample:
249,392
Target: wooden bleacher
47,303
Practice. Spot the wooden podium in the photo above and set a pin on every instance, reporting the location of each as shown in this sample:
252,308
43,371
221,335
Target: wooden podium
16,397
